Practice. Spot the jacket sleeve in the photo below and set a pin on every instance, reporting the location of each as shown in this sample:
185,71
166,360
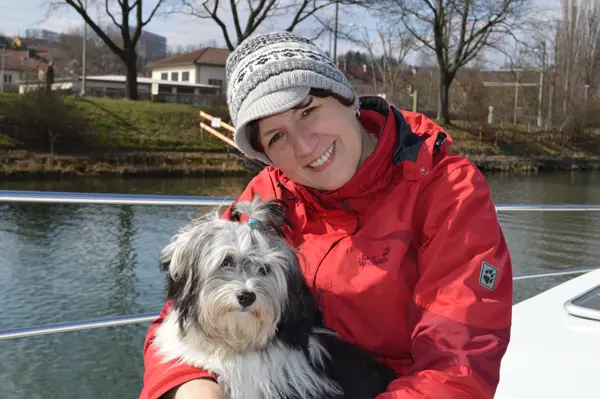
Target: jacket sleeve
160,377
462,303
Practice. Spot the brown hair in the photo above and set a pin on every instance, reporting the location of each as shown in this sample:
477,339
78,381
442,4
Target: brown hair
252,126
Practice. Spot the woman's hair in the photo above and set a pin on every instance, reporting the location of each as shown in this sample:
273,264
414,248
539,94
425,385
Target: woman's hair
322,93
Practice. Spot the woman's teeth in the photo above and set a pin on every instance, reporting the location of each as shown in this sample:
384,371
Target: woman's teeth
323,158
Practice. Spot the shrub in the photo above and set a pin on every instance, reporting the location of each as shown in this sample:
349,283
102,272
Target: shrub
45,122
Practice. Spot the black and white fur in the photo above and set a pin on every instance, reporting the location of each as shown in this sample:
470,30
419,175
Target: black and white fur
242,310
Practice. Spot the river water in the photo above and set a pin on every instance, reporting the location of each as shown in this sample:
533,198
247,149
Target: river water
75,262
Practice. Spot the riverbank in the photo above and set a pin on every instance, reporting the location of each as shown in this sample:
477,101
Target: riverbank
23,165
59,137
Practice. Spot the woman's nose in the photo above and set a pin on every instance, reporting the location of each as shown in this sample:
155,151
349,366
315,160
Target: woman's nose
304,141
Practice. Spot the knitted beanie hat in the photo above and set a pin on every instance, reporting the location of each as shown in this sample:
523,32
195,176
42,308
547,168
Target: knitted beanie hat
271,73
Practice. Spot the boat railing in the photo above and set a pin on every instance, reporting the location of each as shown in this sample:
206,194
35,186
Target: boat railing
16,196
12,196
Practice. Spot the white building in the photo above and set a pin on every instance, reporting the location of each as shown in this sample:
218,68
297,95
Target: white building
18,67
113,86
205,66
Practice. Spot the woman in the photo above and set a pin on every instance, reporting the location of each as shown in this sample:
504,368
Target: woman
399,238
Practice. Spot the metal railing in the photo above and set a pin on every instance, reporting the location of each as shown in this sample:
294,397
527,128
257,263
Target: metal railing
24,332
50,197
163,200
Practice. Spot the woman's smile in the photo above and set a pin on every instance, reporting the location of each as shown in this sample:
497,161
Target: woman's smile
324,160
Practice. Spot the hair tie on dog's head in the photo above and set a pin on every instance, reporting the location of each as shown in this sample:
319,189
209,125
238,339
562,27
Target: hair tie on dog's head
253,223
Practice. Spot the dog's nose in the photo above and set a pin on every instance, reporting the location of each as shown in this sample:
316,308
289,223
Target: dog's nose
246,298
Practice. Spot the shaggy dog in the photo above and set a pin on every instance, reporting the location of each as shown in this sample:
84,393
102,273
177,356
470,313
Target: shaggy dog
242,310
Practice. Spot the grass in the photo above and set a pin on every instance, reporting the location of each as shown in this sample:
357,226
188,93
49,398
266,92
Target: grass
144,137
22,163
493,141
134,125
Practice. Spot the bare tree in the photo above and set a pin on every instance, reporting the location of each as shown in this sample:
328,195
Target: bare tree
456,31
578,47
293,11
386,54
129,12
178,50
99,59
590,42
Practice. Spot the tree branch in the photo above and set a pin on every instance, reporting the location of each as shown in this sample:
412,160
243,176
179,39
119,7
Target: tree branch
156,7
298,18
236,18
78,7
463,31
109,13
257,18
213,15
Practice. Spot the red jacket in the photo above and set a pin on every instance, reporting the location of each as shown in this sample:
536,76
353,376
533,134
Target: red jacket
407,260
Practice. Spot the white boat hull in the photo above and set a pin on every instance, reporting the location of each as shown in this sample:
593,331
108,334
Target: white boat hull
552,354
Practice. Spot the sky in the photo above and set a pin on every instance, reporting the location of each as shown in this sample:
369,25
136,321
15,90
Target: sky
18,16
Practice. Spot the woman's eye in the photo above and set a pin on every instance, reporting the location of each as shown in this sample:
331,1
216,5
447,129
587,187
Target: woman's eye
274,138
227,262
307,111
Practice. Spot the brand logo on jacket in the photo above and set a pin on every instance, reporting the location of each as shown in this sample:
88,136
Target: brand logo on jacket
487,278
374,260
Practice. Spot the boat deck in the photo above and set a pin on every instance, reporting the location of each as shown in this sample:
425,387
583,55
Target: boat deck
552,354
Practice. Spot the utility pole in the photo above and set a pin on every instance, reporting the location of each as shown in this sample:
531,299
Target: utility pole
330,44
2,70
541,91
429,98
516,98
83,63
337,6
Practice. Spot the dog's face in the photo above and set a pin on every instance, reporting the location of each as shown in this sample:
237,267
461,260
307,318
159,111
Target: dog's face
229,282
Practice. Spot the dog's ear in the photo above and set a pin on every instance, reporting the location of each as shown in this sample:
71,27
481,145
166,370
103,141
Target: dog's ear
181,280
275,215
301,312
174,278
172,259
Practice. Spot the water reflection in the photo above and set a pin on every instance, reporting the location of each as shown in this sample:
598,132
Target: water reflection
123,265
541,241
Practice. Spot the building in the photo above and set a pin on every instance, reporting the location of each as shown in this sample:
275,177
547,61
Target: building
43,34
113,86
205,66
20,66
151,47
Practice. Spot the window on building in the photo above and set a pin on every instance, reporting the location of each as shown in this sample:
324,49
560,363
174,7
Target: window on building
216,82
175,76
164,76
7,78
185,76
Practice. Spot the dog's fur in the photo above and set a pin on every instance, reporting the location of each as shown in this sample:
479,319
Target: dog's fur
271,348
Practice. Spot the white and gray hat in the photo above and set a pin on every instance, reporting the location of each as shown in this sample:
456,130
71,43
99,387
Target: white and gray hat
271,73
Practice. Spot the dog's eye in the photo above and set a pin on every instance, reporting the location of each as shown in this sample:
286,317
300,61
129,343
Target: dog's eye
263,270
227,262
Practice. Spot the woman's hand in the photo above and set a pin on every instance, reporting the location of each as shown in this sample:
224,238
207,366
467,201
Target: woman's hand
196,389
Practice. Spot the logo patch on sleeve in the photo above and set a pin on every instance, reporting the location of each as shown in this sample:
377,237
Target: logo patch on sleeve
487,278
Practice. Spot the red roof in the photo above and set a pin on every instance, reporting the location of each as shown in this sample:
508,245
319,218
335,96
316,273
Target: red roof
209,55
21,60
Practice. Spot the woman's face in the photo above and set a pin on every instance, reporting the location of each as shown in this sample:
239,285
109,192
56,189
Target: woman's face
317,143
